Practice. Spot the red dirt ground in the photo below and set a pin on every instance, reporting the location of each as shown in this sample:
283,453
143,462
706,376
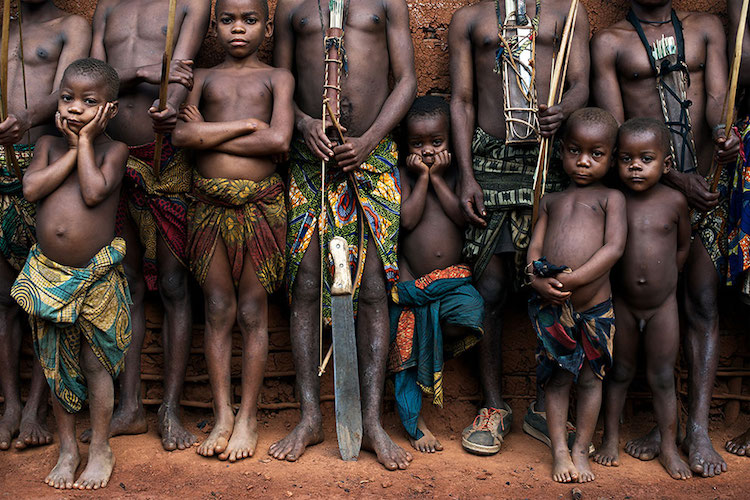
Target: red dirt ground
521,470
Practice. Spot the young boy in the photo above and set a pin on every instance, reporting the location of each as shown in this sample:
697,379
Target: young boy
582,232
646,298
432,279
237,225
73,285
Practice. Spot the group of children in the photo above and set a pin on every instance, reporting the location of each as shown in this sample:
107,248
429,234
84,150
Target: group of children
603,259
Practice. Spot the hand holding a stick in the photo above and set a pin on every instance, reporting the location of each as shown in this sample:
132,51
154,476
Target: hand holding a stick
165,120
315,139
550,119
726,148
471,198
13,127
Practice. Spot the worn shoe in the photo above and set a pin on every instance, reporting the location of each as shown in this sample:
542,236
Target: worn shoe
535,425
485,435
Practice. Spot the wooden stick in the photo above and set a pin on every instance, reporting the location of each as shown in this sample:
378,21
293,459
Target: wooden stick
559,67
322,367
164,84
10,154
732,92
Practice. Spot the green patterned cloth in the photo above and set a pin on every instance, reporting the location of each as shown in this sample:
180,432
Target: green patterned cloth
17,216
506,175
374,188
69,304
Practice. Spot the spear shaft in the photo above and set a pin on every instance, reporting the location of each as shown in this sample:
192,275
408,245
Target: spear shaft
164,83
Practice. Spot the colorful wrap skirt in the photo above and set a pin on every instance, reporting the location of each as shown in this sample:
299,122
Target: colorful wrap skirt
69,305
361,206
416,352
158,206
250,219
506,175
738,257
17,216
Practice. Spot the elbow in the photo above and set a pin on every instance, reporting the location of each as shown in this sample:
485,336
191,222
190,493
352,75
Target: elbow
31,191
280,143
92,197
180,138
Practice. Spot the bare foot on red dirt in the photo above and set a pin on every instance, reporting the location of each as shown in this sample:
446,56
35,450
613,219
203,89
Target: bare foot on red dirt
307,433
427,443
217,441
646,447
242,443
674,465
173,435
563,470
62,475
389,454
608,454
8,427
739,445
33,430
583,466
98,469
702,457
123,423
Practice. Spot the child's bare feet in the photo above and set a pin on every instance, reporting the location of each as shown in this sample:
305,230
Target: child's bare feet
583,466
427,443
9,426
173,434
563,470
33,431
217,441
673,464
242,443
98,469
389,454
608,454
739,445
307,433
62,475
645,447
123,422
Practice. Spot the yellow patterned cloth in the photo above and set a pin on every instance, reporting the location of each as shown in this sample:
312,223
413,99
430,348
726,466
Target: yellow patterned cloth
250,219
17,216
67,304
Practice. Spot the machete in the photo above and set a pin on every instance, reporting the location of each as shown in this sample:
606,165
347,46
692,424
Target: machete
345,368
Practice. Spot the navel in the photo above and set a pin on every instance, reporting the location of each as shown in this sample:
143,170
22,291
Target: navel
636,75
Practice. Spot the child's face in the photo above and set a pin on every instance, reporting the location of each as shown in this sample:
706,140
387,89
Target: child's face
80,98
427,136
242,26
641,160
587,153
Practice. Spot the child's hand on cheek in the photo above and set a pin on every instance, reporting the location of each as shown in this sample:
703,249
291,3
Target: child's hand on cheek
415,165
62,126
442,162
96,126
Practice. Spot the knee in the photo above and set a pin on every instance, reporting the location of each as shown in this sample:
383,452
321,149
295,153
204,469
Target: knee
372,293
250,316
306,286
622,373
703,305
588,381
494,291
559,380
137,287
173,285
661,379
220,309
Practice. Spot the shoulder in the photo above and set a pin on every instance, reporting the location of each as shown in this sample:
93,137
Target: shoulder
466,15
113,147
75,23
286,7
48,141
614,197
281,76
704,21
611,36
672,196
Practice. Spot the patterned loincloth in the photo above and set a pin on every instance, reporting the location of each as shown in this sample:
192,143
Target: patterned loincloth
249,217
157,206
738,257
506,175
712,227
416,351
17,216
379,188
67,303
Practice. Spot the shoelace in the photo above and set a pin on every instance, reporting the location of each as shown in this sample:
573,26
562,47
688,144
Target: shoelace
485,426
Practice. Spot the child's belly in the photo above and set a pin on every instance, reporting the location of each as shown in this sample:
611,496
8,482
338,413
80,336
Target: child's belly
435,243
222,165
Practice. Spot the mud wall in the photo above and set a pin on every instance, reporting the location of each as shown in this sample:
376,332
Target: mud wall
429,23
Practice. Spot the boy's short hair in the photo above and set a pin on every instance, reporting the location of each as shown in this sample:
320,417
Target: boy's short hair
97,70
429,106
263,8
648,125
592,116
